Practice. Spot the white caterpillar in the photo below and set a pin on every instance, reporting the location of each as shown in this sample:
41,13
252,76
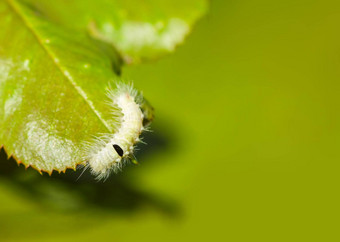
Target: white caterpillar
109,152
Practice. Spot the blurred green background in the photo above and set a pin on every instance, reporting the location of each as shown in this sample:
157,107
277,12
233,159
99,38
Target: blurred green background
245,144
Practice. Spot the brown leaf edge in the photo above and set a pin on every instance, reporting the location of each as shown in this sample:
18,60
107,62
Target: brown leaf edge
19,162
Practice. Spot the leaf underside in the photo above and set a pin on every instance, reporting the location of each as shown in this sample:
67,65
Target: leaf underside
140,30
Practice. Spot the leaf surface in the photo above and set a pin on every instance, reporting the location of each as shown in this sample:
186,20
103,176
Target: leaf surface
52,88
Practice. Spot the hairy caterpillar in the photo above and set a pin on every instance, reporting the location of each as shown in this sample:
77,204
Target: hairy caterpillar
109,152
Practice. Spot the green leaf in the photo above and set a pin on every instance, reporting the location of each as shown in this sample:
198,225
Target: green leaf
52,88
139,29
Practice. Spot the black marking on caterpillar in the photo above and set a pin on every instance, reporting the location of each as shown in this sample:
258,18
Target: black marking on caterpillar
118,150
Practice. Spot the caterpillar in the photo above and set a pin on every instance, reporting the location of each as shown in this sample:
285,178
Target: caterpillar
110,152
